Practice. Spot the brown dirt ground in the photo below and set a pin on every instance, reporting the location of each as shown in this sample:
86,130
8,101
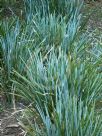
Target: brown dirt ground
9,125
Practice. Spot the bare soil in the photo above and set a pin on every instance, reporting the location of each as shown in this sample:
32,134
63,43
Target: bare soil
9,125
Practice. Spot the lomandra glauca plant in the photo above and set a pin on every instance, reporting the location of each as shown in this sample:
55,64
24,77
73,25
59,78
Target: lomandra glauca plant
8,39
46,7
64,92
14,43
61,80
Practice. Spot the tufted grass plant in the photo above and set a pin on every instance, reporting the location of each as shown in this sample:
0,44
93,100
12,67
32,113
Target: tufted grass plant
49,62
64,92
14,43
62,81
66,7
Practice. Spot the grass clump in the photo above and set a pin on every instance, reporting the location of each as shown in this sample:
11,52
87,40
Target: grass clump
50,63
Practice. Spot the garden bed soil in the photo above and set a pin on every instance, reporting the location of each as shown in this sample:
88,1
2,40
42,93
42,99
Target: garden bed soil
9,125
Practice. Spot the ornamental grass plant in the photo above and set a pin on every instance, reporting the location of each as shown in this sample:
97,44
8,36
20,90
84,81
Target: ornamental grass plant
50,62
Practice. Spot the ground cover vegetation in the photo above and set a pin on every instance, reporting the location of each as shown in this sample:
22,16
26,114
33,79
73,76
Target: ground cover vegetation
49,62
